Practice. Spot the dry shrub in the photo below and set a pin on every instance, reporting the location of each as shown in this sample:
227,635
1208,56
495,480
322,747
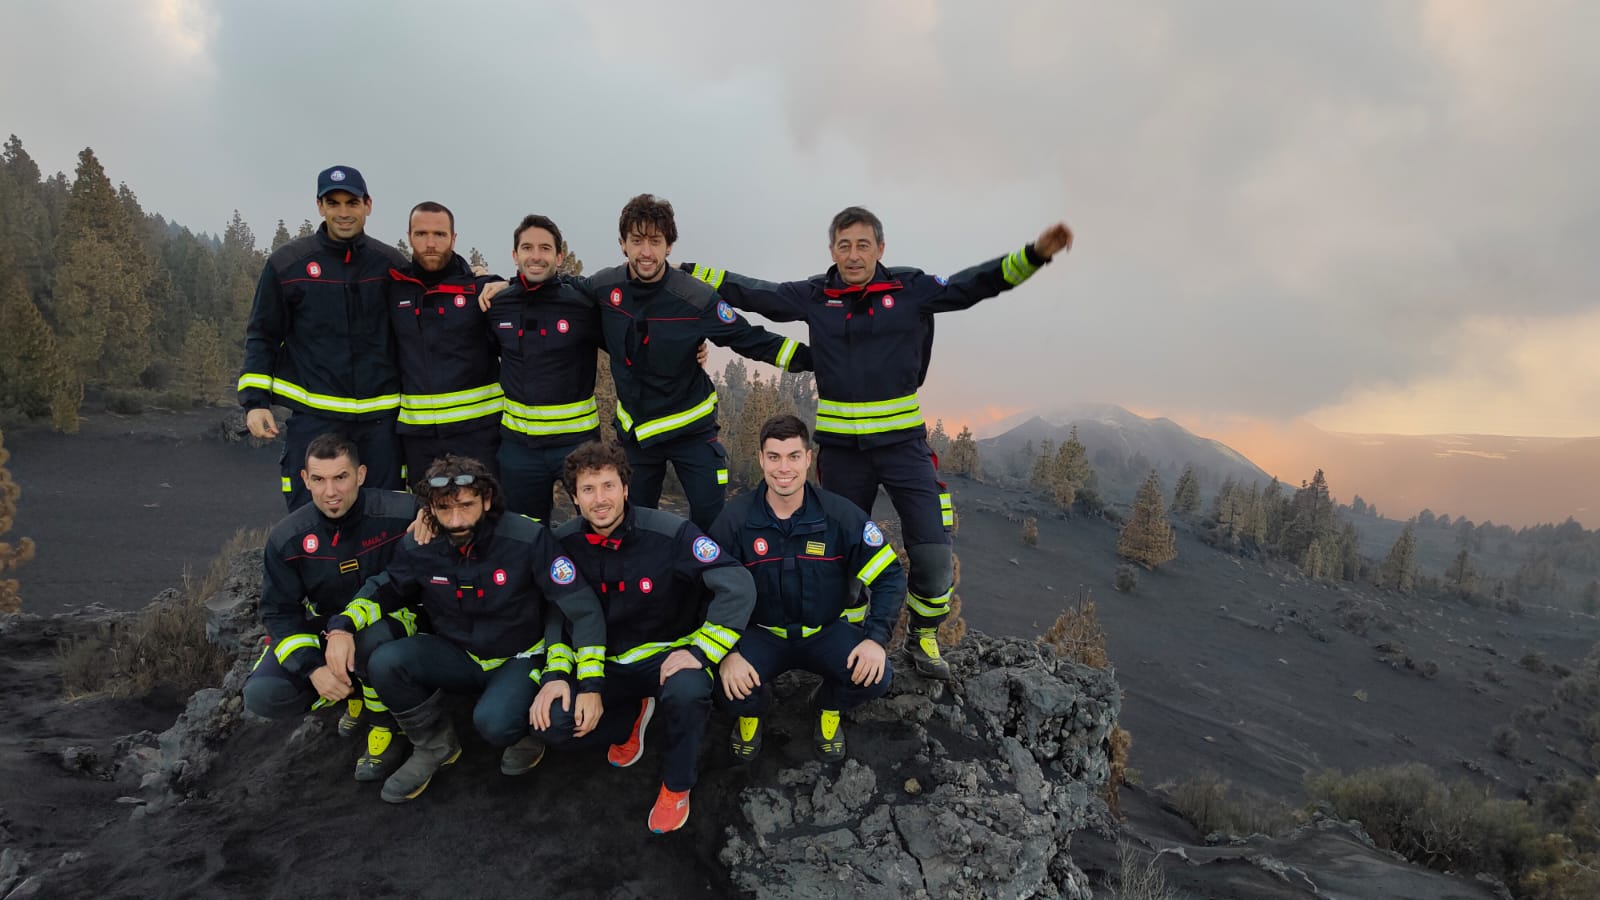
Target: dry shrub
1139,878
952,630
1030,531
1120,743
165,646
1077,635
1211,804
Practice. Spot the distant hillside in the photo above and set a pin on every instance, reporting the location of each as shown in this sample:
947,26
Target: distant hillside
1508,479
1123,447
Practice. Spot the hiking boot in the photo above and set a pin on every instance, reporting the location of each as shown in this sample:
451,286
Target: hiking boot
350,719
521,757
746,739
670,812
829,736
383,754
626,754
923,646
434,744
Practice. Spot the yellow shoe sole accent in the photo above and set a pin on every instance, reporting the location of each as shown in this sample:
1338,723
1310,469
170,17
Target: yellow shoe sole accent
748,726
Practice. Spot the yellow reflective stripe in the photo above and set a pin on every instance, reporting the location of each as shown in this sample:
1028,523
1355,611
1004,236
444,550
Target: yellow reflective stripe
786,353
867,426
490,665
645,651
870,408
535,650
591,662
876,564
1016,268
929,606
855,614
559,659
569,418
714,641
288,390
647,430
363,611
407,620
459,414
709,275
623,419
295,642
947,510
722,476
455,398
372,700
805,631
288,486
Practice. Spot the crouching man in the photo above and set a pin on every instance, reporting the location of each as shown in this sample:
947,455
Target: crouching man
811,552
652,570
495,589
314,561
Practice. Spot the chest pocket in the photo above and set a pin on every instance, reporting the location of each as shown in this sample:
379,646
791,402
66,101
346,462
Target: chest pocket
508,330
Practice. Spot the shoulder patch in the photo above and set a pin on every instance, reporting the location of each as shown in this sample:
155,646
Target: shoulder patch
872,535
705,549
562,571
725,312
941,279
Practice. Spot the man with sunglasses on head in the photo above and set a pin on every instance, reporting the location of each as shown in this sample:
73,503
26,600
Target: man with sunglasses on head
498,592
313,562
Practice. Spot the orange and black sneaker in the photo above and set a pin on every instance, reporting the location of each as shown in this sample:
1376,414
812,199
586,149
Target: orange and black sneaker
626,754
746,739
670,812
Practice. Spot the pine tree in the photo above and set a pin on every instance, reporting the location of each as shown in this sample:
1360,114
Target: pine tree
306,229
570,264
30,365
1399,569
1460,577
404,248
1147,538
939,439
964,456
204,369
1349,553
1186,496
12,554
477,262
239,266
282,236
26,223
1042,475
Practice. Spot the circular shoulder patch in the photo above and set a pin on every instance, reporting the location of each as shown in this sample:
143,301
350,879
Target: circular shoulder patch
941,279
310,543
562,571
705,549
725,312
872,535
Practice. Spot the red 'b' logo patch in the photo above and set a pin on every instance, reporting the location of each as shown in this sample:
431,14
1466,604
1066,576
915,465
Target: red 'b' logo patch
761,546
616,296
562,326
310,543
646,585
888,302
461,302
314,270
500,577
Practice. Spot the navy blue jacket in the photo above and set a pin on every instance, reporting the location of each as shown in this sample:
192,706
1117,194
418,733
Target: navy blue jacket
549,339
449,372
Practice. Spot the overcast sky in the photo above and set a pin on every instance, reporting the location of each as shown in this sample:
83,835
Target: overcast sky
1379,216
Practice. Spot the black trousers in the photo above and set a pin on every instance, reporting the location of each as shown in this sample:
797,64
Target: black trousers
528,475
823,653
420,450
375,440
408,671
276,693
702,467
683,705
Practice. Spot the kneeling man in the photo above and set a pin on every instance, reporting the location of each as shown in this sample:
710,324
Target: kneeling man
812,552
495,588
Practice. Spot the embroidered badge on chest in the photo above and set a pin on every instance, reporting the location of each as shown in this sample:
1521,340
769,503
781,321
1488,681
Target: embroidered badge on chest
616,296
816,548
500,577
562,326
888,302
310,543
760,546
461,301
314,270
646,585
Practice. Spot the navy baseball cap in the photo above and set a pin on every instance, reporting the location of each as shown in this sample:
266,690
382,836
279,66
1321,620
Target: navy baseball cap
340,178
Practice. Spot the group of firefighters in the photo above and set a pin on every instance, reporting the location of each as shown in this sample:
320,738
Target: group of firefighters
477,396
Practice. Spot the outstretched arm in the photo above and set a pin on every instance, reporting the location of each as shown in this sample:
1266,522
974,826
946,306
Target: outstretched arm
985,280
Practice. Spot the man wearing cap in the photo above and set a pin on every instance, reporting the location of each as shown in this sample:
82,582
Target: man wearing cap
319,340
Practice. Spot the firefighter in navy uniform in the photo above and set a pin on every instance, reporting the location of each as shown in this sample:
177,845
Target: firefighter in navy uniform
811,552
654,318
498,593
653,570
314,562
450,397
548,335
319,340
871,336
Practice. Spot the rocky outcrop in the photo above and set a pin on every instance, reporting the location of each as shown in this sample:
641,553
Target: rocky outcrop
988,779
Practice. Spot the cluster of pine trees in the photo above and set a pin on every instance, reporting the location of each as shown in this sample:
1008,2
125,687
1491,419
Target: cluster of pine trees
99,297
745,400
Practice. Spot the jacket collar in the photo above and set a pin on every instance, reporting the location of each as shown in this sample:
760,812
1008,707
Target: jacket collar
834,286
614,540
761,515
332,245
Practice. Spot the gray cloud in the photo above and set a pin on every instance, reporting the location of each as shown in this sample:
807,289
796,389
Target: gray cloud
1276,205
